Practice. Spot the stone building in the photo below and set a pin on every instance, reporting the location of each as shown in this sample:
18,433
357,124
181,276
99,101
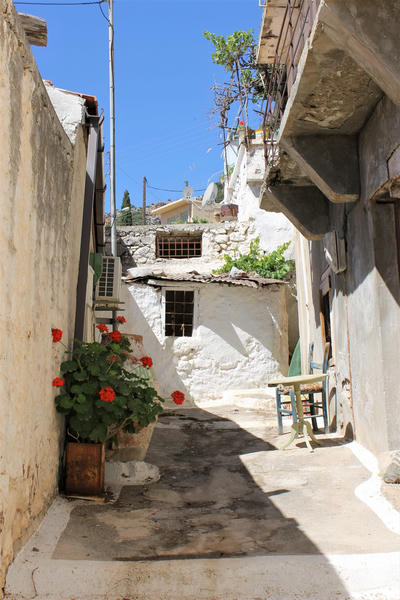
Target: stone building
51,190
333,169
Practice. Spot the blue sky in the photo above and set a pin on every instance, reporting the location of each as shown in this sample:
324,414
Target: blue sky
163,72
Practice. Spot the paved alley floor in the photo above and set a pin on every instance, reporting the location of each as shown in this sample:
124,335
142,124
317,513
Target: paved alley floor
232,517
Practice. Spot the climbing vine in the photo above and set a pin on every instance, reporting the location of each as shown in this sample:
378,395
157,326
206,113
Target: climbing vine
272,265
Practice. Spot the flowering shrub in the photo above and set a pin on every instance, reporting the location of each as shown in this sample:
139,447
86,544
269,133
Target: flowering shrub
178,397
100,396
57,335
146,361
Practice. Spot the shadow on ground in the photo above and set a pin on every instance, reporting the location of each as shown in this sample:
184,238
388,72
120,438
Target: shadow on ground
205,505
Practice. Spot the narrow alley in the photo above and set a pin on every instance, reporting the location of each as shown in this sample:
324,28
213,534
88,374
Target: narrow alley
230,517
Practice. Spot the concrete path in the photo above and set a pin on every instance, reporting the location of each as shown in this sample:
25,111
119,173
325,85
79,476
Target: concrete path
231,518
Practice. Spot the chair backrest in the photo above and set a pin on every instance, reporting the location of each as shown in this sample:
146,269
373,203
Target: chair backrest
324,366
295,363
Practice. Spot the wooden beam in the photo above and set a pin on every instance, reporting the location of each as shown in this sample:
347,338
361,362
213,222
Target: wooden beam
35,29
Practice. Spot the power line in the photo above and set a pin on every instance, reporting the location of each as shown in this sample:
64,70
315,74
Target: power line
61,3
164,190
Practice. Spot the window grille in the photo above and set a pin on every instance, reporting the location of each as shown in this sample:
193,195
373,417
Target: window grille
179,313
178,247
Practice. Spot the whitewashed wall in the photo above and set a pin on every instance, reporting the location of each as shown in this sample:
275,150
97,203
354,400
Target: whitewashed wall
240,338
273,228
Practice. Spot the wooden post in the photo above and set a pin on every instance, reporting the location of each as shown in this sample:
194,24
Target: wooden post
35,29
144,202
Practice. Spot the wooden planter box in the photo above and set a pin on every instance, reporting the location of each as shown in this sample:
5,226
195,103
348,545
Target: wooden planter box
84,469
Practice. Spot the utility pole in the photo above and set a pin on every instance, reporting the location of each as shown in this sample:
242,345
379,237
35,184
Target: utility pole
144,202
113,210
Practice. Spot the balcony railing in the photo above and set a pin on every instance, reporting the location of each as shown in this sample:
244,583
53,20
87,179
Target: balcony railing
296,27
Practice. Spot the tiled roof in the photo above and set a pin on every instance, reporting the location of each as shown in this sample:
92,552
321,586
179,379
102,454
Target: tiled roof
249,281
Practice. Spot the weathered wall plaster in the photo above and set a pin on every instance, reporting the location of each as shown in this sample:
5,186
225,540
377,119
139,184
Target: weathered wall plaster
365,299
42,177
239,339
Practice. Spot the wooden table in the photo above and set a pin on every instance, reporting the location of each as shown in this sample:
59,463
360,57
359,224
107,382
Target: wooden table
301,426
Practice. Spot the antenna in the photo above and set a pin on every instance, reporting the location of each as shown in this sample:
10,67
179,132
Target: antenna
210,194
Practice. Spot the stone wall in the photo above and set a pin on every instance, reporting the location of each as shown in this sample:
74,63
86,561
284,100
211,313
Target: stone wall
137,245
42,177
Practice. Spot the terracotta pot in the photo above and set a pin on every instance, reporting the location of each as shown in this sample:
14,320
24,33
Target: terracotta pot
132,446
84,469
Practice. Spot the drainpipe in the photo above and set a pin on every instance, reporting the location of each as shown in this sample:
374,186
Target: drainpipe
90,189
234,176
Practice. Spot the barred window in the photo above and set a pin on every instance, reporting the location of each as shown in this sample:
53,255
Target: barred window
179,306
178,247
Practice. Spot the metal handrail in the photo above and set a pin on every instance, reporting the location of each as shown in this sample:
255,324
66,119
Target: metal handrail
294,32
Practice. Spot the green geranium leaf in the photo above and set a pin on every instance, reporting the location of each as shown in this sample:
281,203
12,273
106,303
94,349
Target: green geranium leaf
94,369
89,388
68,366
80,375
66,402
76,389
98,433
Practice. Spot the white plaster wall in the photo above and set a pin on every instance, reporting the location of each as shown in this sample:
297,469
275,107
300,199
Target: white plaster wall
240,338
42,178
273,228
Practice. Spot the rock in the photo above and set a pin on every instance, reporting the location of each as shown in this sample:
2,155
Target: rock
390,467
134,472
140,271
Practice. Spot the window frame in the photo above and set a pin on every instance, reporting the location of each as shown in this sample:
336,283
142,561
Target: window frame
194,238
179,288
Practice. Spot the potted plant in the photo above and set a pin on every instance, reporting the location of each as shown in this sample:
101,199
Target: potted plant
103,391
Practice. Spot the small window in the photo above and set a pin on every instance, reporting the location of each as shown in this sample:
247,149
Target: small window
178,247
179,313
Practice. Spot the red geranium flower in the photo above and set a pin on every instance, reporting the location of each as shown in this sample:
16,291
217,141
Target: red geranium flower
57,334
107,394
241,123
121,319
146,361
58,382
178,397
116,336
101,327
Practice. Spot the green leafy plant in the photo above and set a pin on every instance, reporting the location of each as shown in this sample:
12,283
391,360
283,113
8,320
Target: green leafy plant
105,390
248,80
272,265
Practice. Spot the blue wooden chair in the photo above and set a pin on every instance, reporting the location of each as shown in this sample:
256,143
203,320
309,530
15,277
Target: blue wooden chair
281,405
308,392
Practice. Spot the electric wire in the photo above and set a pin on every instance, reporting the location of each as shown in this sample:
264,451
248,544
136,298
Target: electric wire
160,149
168,141
61,3
152,187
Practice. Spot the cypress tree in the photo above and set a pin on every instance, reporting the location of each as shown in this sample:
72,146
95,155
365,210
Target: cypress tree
126,216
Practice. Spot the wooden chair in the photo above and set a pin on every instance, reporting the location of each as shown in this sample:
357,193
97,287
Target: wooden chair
307,392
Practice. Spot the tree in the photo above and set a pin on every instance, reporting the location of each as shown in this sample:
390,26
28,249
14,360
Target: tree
126,216
248,81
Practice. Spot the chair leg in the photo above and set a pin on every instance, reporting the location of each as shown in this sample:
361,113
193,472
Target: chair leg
293,404
278,410
312,412
325,411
